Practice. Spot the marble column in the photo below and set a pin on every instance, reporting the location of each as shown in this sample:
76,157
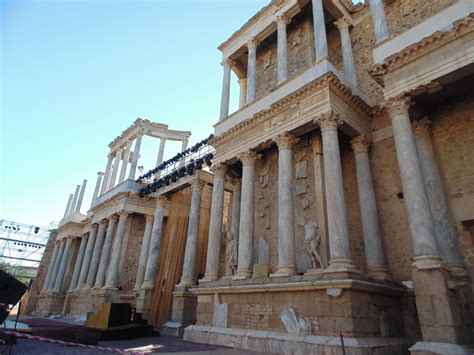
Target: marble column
339,249
420,219
247,206
251,70
126,158
243,91
144,252
62,266
68,206
105,253
87,257
94,263
136,155
74,200
225,95
52,262
81,197
57,262
446,236
113,270
379,20
184,146
161,151
286,214
347,56
282,49
215,224
97,187
374,252
113,176
235,223
77,267
105,181
190,254
319,27
155,243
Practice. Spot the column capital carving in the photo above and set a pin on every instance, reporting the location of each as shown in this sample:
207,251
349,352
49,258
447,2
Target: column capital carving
161,201
285,141
360,144
282,20
113,218
110,156
198,185
252,43
237,184
242,81
248,158
123,214
317,145
219,169
227,62
149,218
100,173
422,127
103,223
328,121
397,106
342,23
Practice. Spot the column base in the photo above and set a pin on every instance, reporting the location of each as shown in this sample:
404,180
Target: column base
456,270
86,287
97,287
427,262
341,268
242,274
284,271
379,273
108,287
148,285
187,282
209,278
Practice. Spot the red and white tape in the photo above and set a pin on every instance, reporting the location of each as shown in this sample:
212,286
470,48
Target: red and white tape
49,340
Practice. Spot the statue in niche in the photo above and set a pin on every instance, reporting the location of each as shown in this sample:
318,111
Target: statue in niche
231,251
312,238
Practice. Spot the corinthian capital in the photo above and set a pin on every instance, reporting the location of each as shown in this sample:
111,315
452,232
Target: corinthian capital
328,121
161,201
197,185
248,158
219,169
285,141
422,128
360,144
397,107
342,23
282,20
252,43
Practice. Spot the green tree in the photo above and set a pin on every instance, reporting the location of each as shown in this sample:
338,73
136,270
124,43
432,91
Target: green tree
15,271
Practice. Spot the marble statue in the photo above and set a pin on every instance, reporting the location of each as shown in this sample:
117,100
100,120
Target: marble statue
312,238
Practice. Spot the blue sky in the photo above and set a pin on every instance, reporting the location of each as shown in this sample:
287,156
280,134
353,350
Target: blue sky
75,74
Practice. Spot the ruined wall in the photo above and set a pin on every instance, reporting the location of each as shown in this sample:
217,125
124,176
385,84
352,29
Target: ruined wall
131,248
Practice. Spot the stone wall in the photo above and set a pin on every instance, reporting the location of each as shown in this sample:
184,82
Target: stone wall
131,248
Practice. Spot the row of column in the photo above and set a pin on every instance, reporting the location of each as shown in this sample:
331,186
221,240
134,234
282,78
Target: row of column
74,202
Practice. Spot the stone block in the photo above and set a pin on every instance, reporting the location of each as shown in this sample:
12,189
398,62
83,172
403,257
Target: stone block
260,271
204,299
301,170
221,315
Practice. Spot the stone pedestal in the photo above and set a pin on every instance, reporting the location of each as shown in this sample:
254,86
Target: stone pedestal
184,312
50,303
145,296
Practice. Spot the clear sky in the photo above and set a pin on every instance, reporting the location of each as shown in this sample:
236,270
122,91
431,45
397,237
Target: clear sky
75,74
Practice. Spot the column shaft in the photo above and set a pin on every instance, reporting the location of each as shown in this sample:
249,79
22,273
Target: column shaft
59,256
113,177
251,70
94,263
379,20
77,267
52,262
105,181
68,206
243,91
97,187
105,253
113,270
235,223
347,56
74,200
81,197
225,95
282,51
126,158
87,257
62,266
136,155
161,151
319,27
144,252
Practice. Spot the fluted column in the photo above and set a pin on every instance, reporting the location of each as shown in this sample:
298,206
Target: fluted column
68,206
52,262
144,252
243,91
87,257
347,56
105,253
79,260
225,95
113,270
247,206
379,20
97,186
319,27
282,51
155,243
52,282
62,266
251,70
74,200
215,224
374,251
235,223
126,158
136,155
444,227
113,177
81,196
339,249
94,263
105,181
416,200
190,254
161,151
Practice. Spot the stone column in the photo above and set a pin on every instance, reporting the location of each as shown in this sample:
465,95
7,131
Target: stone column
105,181
161,151
155,243
215,224
77,267
97,186
57,262
68,206
113,177
416,200
190,254
319,27
251,70
379,20
105,254
243,91
62,266
144,252
87,257
52,262
374,251
136,155
81,197
446,236
94,263
113,270
286,224
282,51
74,200
247,205
235,223
347,56
339,249
126,158
184,146
225,95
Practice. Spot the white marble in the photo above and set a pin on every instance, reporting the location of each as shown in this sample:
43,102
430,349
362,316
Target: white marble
161,151
379,20
113,176
235,223
243,91
97,186
105,181
251,70
94,263
87,257
57,262
113,269
282,49
319,27
81,196
68,206
62,266
52,262
347,56
74,200
105,253
225,95
125,160
78,265
144,252
136,156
